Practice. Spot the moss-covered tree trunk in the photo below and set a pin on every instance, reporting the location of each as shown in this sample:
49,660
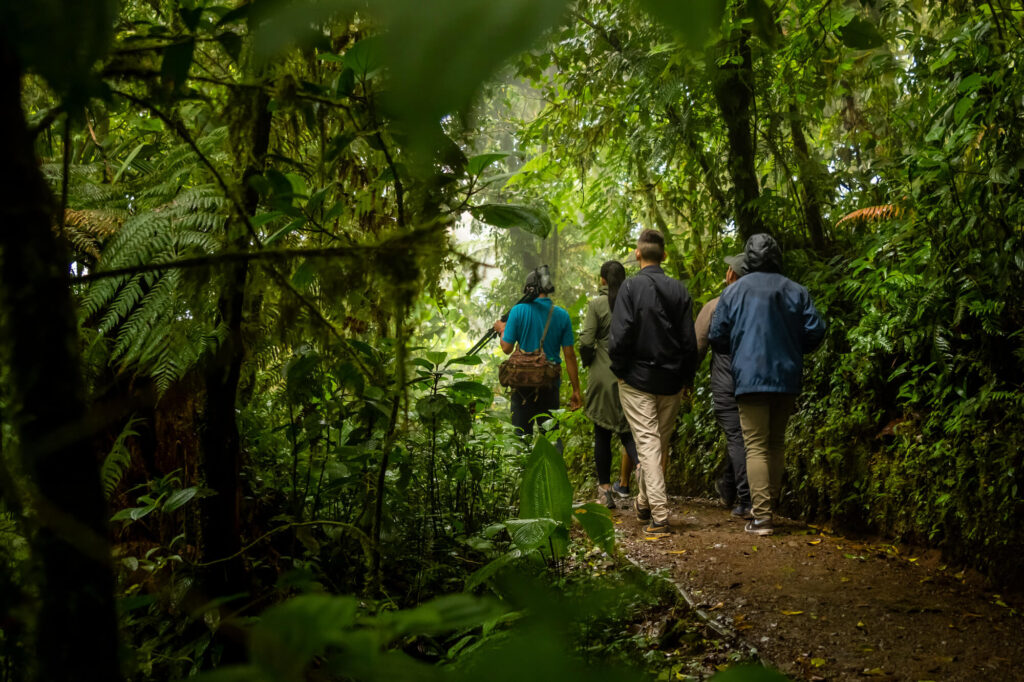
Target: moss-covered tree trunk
810,179
734,92
76,629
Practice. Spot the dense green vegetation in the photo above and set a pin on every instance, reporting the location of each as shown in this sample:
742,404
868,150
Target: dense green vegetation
247,244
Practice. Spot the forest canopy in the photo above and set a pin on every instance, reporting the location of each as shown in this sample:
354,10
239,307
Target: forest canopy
247,245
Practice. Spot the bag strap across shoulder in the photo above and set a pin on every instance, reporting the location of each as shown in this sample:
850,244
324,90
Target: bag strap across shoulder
547,324
551,311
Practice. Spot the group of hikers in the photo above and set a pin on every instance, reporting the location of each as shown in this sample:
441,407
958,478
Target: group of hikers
642,348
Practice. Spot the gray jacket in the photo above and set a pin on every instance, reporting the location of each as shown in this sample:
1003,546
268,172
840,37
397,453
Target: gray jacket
721,364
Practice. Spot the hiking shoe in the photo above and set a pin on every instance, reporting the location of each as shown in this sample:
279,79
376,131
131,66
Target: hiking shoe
742,511
642,513
655,528
620,491
760,527
605,497
725,494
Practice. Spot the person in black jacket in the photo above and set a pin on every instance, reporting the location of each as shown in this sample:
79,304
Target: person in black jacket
653,350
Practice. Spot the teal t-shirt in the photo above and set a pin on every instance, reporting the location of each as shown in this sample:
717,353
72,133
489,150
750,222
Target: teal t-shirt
526,324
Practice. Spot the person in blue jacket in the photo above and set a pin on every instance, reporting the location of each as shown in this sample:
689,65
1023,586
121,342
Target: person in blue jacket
767,323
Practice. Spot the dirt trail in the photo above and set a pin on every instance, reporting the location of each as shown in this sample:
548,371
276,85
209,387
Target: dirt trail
823,607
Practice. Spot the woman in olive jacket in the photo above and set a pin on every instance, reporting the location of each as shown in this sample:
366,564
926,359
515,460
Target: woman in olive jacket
602,404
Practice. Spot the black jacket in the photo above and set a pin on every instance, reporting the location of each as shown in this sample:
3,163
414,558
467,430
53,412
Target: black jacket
652,344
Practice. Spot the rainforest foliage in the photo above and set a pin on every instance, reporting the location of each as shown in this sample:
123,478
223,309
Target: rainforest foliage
247,243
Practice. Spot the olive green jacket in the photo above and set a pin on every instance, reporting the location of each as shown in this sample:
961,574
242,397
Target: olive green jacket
602,404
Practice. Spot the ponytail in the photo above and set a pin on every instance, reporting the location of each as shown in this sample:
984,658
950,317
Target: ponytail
615,275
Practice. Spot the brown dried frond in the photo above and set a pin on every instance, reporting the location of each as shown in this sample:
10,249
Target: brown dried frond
86,228
873,213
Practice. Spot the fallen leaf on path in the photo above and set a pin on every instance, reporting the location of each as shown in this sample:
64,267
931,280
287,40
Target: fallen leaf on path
676,551
968,614
913,559
818,662
655,537
874,672
814,542
845,579
719,605
860,624
791,613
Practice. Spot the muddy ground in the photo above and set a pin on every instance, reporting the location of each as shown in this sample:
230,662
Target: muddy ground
819,606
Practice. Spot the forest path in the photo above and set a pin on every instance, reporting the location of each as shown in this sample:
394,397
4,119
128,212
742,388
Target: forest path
819,606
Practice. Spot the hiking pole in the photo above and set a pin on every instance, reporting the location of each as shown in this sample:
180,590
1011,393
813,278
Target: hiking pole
491,333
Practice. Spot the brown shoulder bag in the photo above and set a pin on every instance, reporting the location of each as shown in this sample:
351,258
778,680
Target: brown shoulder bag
530,370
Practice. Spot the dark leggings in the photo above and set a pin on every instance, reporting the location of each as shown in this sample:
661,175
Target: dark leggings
603,451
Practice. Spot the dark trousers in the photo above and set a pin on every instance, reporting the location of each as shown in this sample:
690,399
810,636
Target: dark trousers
735,474
603,451
529,404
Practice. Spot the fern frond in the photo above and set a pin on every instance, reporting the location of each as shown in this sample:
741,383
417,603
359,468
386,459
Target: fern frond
117,461
873,214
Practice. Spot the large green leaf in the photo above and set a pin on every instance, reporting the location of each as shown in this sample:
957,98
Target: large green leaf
438,52
696,20
510,215
176,63
597,522
546,492
61,40
477,164
530,534
489,570
474,389
291,634
861,34
444,614
431,406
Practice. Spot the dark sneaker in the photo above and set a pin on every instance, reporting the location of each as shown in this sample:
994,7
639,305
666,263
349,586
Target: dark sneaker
619,490
655,528
760,527
742,511
642,513
725,494
605,497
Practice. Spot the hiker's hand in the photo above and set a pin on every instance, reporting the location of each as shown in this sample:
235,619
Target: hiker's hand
576,401
499,327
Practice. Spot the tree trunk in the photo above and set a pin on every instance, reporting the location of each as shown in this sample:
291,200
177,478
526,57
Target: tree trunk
733,86
809,176
76,630
222,454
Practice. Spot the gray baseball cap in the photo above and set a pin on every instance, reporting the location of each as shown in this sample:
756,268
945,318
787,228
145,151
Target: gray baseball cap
738,264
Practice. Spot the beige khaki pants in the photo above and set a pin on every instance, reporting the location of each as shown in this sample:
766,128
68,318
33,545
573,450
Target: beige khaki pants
652,419
763,418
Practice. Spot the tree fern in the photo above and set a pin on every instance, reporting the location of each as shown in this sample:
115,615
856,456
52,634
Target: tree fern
151,318
118,459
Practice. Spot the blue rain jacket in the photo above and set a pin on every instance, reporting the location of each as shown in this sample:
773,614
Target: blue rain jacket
767,323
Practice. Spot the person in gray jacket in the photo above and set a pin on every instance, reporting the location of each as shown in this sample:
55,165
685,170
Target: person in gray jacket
732,485
767,323
602,404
